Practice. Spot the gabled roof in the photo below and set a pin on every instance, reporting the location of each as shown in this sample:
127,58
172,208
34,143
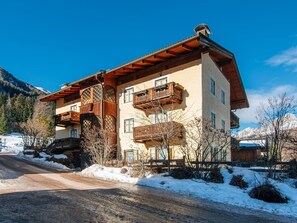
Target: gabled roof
199,42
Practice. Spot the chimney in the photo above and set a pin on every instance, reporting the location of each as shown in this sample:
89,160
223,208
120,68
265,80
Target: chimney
203,29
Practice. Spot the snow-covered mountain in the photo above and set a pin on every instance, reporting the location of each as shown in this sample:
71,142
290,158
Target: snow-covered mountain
43,90
11,85
254,133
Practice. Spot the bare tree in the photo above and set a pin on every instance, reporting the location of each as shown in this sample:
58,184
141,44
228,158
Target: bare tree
166,129
205,143
274,120
95,142
37,130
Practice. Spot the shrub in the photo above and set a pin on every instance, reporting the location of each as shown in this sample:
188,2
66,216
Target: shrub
239,182
215,176
267,193
124,170
182,173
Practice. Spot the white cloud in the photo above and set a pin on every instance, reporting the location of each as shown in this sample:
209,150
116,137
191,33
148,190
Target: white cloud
287,58
257,97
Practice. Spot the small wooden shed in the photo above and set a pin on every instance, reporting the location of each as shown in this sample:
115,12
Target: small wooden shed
246,152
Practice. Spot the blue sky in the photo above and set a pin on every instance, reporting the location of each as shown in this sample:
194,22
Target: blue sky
48,43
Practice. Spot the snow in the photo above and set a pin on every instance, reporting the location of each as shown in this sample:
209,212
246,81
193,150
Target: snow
223,193
43,90
290,122
42,161
11,143
60,156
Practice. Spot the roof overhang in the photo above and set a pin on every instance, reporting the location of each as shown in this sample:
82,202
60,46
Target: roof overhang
221,56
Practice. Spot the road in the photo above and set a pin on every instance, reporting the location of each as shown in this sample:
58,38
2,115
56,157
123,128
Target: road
38,194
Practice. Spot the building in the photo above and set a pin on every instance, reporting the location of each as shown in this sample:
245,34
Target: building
194,77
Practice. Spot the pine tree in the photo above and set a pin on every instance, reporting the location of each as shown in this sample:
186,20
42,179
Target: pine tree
3,121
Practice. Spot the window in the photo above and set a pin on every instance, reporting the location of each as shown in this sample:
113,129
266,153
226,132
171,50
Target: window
152,153
128,95
213,86
160,81
162,154
128,125
73,108
129,156
161,117
214,154
73,133
213,119
223,125
223,97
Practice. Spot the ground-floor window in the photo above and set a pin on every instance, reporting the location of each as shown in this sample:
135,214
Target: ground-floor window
159,153
131,155
73,133
218,154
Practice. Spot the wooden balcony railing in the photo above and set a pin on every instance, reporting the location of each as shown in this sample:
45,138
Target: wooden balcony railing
60,145
234,120
158,132
67,118
153,97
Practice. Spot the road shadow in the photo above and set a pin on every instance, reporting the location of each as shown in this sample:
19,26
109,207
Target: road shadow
12,167
116,205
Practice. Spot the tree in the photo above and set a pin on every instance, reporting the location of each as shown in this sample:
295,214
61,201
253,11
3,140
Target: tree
38,129
274,120
3,121
204,143
95,142
166,129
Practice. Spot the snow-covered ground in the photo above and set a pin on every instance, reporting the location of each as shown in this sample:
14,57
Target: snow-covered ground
223,193
13,143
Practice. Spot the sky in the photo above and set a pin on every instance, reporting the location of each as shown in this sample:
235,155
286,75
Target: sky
51,42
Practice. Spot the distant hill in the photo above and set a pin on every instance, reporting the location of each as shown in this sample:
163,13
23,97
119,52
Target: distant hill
11,85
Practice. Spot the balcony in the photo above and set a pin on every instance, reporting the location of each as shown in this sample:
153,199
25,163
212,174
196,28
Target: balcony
67,118
234,120
61,145
153,97
158,132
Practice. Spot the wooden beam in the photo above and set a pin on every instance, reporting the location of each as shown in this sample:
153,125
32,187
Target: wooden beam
223,62
148,62
188,48
138,65
171,53
182,59
160,57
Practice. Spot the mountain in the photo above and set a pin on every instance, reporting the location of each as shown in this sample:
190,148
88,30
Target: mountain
11,85
290,122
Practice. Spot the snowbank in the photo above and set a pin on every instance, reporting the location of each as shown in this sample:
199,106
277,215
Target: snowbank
223,193
42,161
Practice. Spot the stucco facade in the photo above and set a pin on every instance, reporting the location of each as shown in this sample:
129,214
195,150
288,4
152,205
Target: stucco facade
193,78
197,102
61,107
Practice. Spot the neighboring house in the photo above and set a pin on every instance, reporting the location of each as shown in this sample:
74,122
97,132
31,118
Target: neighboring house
249,151
194,77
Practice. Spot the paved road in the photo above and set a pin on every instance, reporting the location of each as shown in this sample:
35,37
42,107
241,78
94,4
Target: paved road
38,194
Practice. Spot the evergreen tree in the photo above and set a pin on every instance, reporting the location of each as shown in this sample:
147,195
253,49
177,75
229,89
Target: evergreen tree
3,121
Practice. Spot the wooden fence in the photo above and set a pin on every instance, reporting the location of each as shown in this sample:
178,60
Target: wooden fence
174,163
